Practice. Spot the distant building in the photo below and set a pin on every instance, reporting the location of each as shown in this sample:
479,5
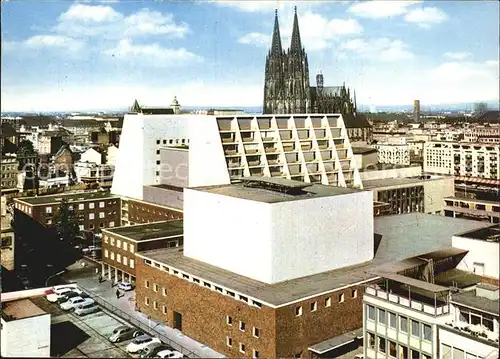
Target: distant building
91,156
416,110
480,107
365,157
472,208
398,154
8,241
111,153
25,329
482,134
9,171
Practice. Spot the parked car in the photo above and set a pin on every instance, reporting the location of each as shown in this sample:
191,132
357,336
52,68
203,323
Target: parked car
123,333
59,292
150,348
73,302
87,308
141,342
125,286
169,354
67,296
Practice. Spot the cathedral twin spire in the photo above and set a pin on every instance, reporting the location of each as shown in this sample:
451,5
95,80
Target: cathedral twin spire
295,44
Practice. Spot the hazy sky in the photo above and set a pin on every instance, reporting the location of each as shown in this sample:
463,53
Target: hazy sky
60,55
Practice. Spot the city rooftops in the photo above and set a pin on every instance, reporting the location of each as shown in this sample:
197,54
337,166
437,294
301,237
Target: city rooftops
149,231
20,309
399,237
274,190
390,182
472,300
73,197
489,234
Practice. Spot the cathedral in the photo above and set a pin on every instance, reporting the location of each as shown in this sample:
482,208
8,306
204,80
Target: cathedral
287,88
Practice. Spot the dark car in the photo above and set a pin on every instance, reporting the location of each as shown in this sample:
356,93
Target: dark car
123,333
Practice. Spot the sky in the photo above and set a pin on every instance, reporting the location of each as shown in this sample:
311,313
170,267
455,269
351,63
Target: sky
87,55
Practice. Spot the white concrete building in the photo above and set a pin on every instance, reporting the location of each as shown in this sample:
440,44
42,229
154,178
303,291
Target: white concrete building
462,159
25,330
138,158
483,248
312,227
111,153
91,156
91,172
398,154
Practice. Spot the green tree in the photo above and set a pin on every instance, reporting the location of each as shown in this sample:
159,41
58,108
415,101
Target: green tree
25,147
66,222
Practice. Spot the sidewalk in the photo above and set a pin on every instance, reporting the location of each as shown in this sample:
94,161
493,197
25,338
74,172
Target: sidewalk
87,279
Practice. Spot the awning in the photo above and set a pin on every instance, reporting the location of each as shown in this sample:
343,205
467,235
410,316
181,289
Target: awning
336,342
412,282
478,180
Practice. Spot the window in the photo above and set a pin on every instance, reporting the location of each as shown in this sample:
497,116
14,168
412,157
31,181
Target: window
155,305
242,326
381,345
101,204
146,300
371,312
131,248
256,332
446,351
427,332
403,352
415,329
157,152
112,241
164,291
488,323
392,349
403,324
102,215
48,210
91,215
155,287
112,223
146,283
354,293
415,354
314,306
91,205
298,355
341,298
112,256
48,221
124,246
371,340
242,347
298,311
164,309
118,243
124,260
392,320
131,263
157,162
381,316
255,353
328,302
101,224
229,341
81,206
118,257
106,254
229,320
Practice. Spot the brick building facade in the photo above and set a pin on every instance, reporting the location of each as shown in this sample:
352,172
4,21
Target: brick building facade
137,212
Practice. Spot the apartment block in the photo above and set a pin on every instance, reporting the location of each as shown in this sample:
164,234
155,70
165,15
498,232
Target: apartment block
94,210
120,245
393,153
471,208
462,159
410,313
482,134
9,169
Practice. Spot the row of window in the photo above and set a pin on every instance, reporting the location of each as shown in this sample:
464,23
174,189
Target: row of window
147,301
204,284
394,350
242,348
242,326
118,243
454,353
119,258
171,142
327,302
416,329
155,287
81,206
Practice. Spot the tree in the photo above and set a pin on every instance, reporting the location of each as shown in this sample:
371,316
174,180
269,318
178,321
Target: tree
66,222
25,147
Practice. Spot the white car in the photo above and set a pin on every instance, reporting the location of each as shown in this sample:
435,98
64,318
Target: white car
169,354
75,301
140,343
54,294
125,286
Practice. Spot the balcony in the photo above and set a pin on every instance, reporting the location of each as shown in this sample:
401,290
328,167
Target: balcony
475,331
230,152
227,140
438,309
253,163
270,149
251,151
234,164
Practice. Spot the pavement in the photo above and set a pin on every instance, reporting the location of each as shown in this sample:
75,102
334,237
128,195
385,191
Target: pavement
86,277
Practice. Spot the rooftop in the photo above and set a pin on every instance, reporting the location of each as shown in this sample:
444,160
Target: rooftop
155,230
390,182
275,190
384,166
489,234
363,150
471,300
336,342
167,186
400,237
73,197
20,309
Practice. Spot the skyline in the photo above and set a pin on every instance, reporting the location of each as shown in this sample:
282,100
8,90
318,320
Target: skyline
103,55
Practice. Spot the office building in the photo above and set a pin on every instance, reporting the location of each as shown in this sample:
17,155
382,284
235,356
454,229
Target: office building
398,154
462,159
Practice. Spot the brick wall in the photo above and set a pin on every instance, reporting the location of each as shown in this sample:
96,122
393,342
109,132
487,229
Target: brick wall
141,212
107,247
204,313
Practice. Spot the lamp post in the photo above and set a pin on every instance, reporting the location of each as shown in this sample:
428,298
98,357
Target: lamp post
53,275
